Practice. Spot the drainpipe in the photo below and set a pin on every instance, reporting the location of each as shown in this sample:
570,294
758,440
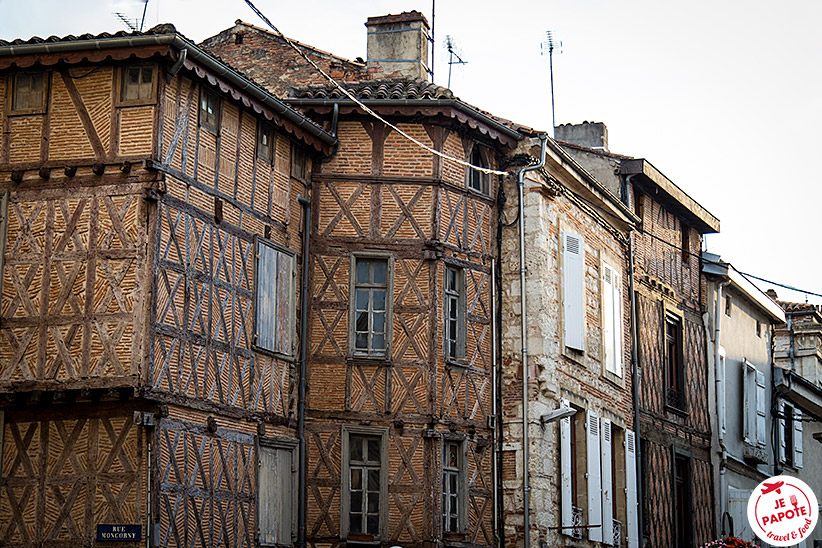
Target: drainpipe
304,289
494,436
720,403
636,374
526,488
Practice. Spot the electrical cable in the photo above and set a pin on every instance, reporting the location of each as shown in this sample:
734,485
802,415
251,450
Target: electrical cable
360,104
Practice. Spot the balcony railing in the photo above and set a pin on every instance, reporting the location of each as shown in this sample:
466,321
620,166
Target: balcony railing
617,533
576,532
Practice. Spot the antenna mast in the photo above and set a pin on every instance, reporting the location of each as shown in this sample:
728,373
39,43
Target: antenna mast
450,45
550,44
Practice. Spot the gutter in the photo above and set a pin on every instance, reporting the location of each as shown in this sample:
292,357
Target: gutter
526,488
195,54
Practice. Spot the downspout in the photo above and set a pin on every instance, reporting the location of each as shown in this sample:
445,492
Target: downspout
526,489
304,289
494,436
635,374
719,381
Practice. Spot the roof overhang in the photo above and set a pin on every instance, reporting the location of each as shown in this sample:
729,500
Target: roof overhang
450,108
798,390
712,265
197,60
658,186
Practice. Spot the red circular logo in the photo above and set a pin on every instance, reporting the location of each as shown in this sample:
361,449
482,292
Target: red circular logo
783,511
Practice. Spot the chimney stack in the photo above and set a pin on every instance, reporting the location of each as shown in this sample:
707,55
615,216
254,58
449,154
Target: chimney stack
587,134
398,45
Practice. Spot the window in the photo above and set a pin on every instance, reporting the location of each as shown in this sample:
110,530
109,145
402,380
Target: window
137,85
728,302
299,163
28,93
758,329
639,207
673,358
209,110
277,479
683,517
478,180
274,309
686,244
570,429
371,306
454,314
755,405
453,488
573,291
790,436
365,483
265,142
612,332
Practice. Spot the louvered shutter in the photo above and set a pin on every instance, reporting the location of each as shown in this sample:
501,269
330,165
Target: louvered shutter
573,291
749,402
630,490
608,326
721,393
618,338
780,407
607,482
797,439
566,469
761,409
594,477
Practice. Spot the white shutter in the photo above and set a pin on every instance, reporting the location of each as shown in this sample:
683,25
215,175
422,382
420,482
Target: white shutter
797,439
780,407
573,290
607,483
608,317
594,478
761,409
630,490
565,460
722,409
618,336
749,402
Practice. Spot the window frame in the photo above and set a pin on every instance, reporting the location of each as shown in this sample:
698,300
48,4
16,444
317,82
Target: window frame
573,291
460,357
462,484
478,156
299,165
617,319
277,444
680,456
353,353
119,88
292,300
345,480
203,121
679,373
264,128
12,87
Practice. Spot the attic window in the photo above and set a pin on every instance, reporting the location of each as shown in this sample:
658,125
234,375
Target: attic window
477,180
265,143
137,85
299,162
238,38
209,110
29,93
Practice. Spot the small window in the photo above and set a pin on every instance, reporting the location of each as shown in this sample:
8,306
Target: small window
265,142
675,369
209,110
277,480
639,207
371,306
478,180
364,483
299,163
137,85
454,314
686,244
453,490
728,305
274,286
29,93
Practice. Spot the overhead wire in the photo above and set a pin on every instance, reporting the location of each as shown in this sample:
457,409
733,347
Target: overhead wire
360,104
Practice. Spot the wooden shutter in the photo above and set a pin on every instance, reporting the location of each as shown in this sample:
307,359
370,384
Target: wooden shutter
276,490
761,409
749,402
780,407
266,312
722,390
630,490
285,303
608,326
566,469
618,338
594,478
573,290
607,499
797,439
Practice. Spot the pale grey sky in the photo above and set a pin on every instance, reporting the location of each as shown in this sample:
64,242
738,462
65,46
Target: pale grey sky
722,96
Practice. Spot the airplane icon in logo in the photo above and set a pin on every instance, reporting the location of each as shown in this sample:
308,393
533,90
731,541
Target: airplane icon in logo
769,487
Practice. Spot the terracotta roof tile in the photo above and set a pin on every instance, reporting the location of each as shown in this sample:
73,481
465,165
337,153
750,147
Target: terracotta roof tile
165,28
394,88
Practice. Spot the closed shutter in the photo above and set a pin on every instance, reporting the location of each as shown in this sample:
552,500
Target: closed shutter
608,326
573,291
797,439
285,295
266,312
780,407
607,482
721,393
761,409
749,402
276,489
630,490
594,478
618,338
566,469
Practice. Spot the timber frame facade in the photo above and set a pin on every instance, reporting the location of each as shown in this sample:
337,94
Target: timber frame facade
138,198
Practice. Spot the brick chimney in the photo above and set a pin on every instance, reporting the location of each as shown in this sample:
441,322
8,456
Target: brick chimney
398,45
587,134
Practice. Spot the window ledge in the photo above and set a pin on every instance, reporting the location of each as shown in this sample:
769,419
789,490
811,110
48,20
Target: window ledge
613,378
574,355
459,363
368,360
677,411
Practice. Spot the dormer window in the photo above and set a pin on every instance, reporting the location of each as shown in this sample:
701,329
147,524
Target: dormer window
478,180
28,93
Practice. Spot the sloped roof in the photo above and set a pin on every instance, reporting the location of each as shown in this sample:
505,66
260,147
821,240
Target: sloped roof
392,88
164,28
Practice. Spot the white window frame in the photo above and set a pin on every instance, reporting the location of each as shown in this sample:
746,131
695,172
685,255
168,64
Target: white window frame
265,289
462,484
345,476
369,353
476,180
284,490
754,405
456,296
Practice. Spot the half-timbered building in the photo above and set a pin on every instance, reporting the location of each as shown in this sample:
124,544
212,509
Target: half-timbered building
148,331
399,420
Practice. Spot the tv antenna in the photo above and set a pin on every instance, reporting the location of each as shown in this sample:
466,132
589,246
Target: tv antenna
450,45
549,45
133,27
